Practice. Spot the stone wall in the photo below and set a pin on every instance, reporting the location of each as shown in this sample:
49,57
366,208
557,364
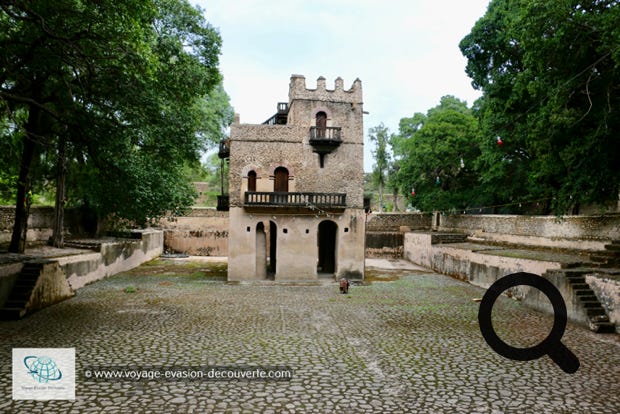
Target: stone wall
474,266
61,276
40,223
568,232
607,290
396,221
113,258
201,232
263,148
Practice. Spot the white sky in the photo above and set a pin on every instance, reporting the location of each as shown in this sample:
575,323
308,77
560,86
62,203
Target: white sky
405,52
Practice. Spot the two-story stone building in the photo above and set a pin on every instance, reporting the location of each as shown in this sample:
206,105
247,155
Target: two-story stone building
296,188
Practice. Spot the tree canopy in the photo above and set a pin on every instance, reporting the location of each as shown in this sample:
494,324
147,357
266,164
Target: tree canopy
131,88
550,74
436,152
380,135
544,134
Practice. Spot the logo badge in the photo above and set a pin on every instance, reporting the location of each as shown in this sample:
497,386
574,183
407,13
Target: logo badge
43,373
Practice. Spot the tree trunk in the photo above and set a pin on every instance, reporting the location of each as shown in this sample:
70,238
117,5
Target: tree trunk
395,195
380,198
59,209
24,198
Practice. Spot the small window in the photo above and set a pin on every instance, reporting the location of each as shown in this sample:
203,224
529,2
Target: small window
248,229
252,181
346,229
285,231
307,231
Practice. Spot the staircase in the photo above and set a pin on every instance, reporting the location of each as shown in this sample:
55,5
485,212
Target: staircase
444,238
584,296
598,321
15,306
610,257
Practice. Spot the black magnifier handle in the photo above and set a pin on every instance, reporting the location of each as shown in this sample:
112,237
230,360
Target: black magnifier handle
564,358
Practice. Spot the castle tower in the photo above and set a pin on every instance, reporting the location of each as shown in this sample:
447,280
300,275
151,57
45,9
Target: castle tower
296,188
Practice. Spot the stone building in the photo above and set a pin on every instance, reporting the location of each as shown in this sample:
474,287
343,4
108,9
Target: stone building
296,188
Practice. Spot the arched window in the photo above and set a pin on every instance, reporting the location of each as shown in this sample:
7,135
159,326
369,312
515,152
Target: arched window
321,124
252,181
281,180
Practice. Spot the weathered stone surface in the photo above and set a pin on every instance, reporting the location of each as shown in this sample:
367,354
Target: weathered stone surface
411,345
569,232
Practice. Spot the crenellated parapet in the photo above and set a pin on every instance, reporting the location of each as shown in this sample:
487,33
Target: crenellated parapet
298,90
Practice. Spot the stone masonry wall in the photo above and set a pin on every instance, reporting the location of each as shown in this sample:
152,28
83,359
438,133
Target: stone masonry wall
40,222
570,232
394,221
201,232
342,172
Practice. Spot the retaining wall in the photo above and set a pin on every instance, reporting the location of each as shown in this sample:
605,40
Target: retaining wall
567,232
81,269
474,266
390,222
201,232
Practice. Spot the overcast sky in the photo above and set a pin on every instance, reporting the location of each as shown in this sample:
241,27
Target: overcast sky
405,52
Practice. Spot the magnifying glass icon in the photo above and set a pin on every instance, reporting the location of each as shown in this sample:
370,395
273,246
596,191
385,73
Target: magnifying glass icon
551,345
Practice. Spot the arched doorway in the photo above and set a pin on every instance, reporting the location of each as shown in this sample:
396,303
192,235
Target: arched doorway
273,248
261,251
326,239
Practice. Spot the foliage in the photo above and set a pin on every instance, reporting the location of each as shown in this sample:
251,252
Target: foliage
435,154
134,88
380,135
550,73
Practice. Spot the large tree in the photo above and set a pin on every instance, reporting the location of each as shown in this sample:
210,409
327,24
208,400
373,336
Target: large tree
550,73
118,91
436,153
380,135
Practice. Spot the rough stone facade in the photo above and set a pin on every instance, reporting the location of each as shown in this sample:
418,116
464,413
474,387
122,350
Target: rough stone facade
292,234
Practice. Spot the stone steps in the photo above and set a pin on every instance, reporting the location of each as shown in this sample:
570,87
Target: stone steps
15,305
598,320
610,257
82,244
443,238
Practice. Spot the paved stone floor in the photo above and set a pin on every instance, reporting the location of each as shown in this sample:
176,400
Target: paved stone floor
407,344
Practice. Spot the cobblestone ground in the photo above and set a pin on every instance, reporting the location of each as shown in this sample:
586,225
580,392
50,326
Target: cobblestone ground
410,345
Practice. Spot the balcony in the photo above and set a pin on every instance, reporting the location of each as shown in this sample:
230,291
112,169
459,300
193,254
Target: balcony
300,201
328,136
324,140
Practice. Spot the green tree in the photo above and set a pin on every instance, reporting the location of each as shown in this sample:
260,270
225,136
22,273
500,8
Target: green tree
119,92
380,135
550,74
436,154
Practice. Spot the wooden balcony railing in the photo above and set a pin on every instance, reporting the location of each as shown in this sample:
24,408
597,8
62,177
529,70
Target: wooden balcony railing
327,134
284,199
